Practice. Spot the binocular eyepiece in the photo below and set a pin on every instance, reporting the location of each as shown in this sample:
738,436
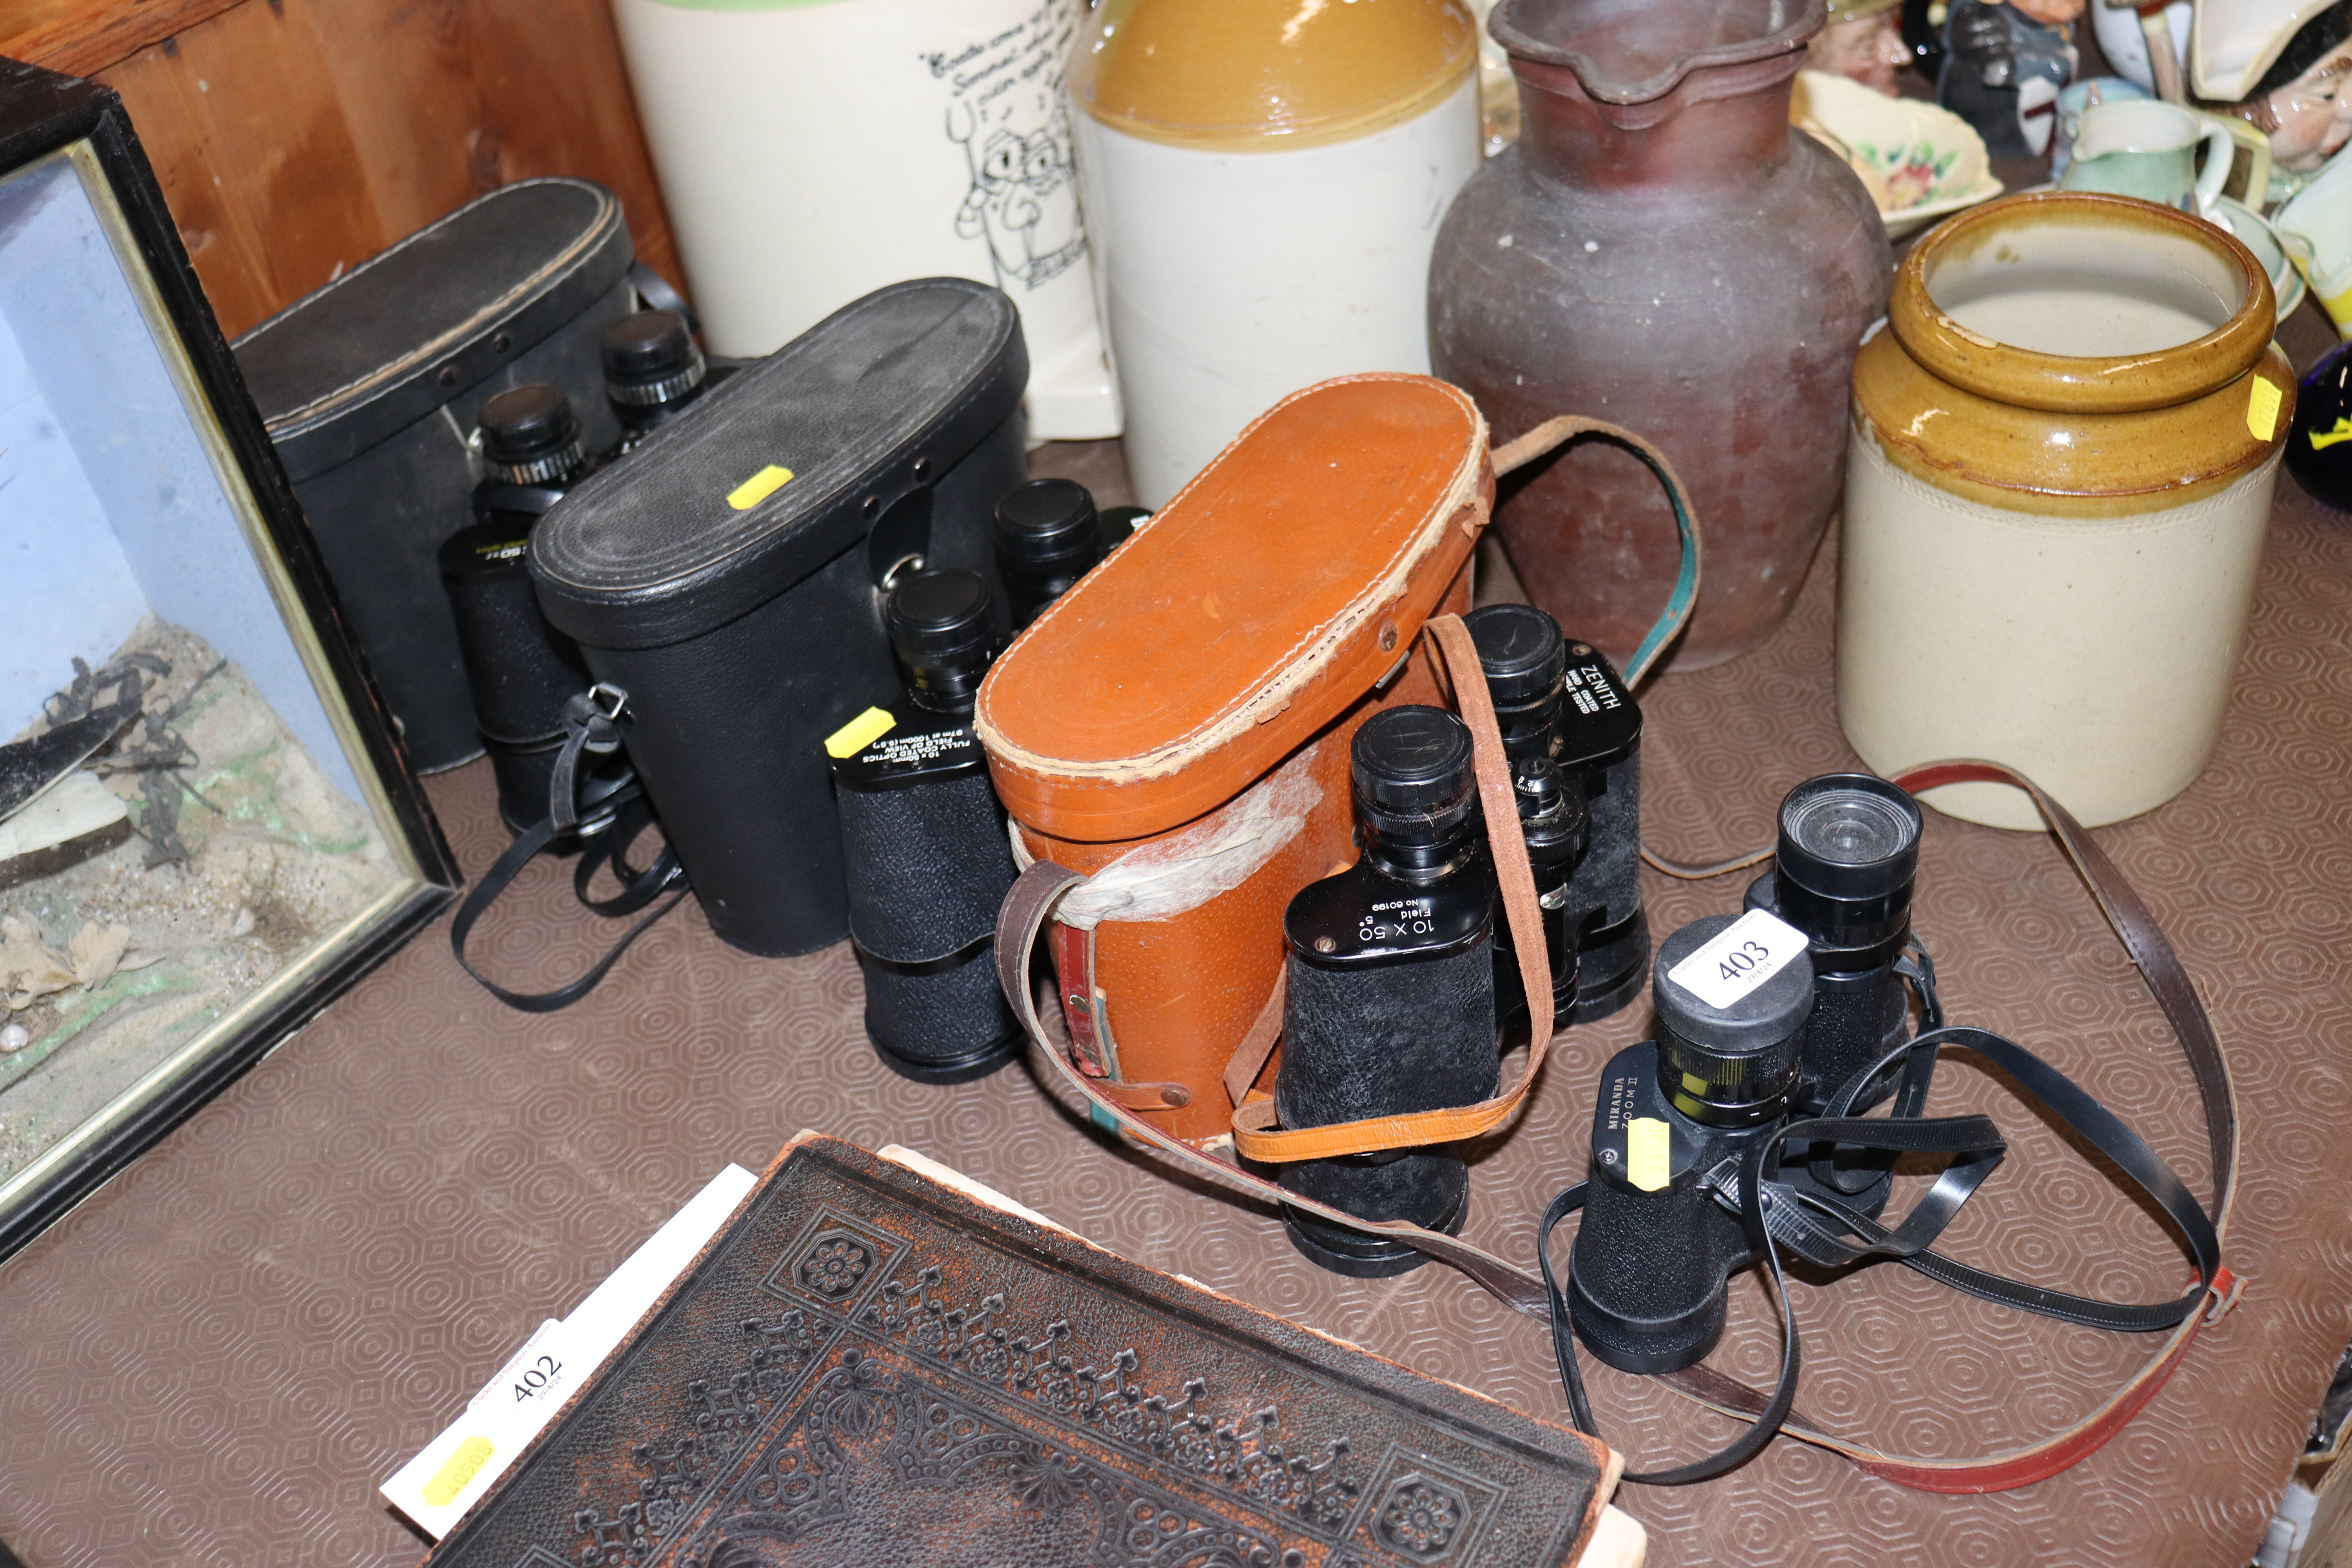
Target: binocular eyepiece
941,629
531,436
1416,796
650,359
1526,660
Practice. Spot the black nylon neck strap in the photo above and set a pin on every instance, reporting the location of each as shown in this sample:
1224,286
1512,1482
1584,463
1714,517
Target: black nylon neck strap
1776,1218
616,813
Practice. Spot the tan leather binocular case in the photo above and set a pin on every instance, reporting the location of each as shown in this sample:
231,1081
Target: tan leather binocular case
1177,725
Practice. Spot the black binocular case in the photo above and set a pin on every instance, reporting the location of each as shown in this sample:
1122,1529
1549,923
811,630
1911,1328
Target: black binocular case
729,578
370,387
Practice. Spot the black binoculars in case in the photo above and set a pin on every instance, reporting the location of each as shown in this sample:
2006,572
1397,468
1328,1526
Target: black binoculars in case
725,583
1573,732
372,387
1391,999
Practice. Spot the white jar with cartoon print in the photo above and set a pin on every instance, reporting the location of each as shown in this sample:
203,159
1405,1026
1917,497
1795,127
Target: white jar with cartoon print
1264,181
810,153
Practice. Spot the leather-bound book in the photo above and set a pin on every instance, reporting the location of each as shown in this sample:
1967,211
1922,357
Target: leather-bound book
877,1362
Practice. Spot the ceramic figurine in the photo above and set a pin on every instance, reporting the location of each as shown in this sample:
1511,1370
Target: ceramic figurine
1862,40
1662,248
2064,444
2317,222
811,154
1263,182
2319,447
2132,43
2004,67
1923,35
2305,100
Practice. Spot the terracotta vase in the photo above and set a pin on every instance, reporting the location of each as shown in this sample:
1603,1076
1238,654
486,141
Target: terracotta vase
1660,249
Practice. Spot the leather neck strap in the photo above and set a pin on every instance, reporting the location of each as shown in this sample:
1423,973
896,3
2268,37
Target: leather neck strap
1253,1138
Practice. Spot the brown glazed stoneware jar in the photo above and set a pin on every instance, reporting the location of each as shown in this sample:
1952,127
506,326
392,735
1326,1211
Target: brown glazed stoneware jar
2063,448
1660,249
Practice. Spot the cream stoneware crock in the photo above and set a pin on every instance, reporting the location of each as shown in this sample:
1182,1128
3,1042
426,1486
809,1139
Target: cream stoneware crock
2063,444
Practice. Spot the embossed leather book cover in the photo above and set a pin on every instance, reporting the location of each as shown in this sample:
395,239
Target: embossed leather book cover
867,1367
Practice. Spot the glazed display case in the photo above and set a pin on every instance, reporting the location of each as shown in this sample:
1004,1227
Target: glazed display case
208,828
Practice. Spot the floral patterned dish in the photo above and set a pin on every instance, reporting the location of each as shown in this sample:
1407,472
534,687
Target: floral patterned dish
1918,162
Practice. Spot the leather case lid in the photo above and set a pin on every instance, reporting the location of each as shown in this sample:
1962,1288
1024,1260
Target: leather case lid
871,405
875,403
405,331
1277,587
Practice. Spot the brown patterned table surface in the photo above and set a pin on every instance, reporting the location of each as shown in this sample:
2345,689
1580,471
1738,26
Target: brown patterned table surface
218,1357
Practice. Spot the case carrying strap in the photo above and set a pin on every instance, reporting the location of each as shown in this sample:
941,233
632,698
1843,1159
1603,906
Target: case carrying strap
1558,432
1253,1134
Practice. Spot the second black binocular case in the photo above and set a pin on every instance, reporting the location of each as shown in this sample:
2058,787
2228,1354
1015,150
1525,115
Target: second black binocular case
725,583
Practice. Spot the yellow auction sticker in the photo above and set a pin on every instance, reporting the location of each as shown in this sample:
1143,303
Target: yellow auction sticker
859,733
1649,1153
759,488
460,1468
2262,409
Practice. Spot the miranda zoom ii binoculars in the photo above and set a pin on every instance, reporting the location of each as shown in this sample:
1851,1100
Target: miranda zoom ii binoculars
1762,1016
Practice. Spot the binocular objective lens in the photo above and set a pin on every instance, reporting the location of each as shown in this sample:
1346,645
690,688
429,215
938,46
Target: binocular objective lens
1849,827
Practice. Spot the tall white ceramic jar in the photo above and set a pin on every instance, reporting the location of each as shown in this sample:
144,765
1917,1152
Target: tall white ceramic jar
2059,482
812,153
1264,181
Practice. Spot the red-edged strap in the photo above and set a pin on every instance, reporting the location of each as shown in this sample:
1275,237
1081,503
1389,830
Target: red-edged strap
1073,967
1995,1473
2151,952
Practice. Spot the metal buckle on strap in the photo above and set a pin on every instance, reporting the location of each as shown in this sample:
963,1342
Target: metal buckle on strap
611,700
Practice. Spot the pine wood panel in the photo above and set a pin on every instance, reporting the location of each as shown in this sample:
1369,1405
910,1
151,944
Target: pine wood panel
79,38
448,98
297,138
267,186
